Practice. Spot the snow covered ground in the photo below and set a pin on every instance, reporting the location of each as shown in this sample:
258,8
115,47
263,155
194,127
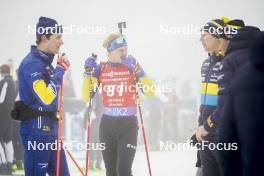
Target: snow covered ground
163,164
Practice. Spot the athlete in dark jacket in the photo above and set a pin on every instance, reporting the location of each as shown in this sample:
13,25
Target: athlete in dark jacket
236,56
243,120
7,99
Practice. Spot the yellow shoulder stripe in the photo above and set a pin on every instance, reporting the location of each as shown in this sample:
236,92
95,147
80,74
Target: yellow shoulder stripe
46,94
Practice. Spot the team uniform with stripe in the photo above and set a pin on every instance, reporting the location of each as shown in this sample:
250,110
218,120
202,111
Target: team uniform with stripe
209,89
39,85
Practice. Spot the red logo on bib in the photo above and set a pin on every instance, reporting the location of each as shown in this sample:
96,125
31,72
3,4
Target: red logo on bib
118,86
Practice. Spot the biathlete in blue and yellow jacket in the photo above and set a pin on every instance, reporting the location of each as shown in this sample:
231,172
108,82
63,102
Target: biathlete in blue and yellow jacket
39,84
210,70
117,78
236,41
211,38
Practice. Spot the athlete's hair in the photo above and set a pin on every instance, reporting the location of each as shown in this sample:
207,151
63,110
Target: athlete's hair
109,39
39,39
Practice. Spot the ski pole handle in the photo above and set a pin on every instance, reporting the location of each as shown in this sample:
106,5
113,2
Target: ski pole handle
94,55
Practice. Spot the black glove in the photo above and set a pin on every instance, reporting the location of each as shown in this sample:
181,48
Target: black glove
193,140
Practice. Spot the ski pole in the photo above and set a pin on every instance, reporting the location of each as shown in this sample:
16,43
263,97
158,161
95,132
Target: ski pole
74,161
122,25
88,139
59,129
59,136
90,70
144,134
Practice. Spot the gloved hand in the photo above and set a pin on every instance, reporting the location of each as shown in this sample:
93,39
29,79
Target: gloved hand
130,62
62,65
63,62
132,65
193,140
89,65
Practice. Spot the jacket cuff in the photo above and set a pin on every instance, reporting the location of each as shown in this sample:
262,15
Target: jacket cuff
59,72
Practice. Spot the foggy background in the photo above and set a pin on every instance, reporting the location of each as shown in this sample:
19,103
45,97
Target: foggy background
161,54
160,36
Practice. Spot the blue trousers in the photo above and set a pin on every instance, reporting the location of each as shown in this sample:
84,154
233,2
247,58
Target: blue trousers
40,156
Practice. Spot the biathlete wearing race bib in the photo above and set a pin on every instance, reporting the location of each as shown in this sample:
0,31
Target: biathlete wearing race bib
118,85
119,126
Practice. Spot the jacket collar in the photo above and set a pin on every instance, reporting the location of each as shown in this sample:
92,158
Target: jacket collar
47,58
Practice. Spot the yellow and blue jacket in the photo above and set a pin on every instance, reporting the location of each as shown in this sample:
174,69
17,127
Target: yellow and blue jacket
39,85
209,90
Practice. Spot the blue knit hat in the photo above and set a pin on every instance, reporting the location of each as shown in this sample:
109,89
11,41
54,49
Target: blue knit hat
234,26
215,27
47,26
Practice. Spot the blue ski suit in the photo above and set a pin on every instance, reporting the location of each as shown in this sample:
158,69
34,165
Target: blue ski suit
39,85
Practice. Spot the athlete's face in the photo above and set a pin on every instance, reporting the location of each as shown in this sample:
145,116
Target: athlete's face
53,44
209,42
117,54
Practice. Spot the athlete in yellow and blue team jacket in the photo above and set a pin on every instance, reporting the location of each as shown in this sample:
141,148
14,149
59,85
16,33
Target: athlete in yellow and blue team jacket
227,67
211,74
212,94
209,92
39,85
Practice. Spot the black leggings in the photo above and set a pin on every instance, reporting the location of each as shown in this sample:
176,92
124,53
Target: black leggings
120,138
